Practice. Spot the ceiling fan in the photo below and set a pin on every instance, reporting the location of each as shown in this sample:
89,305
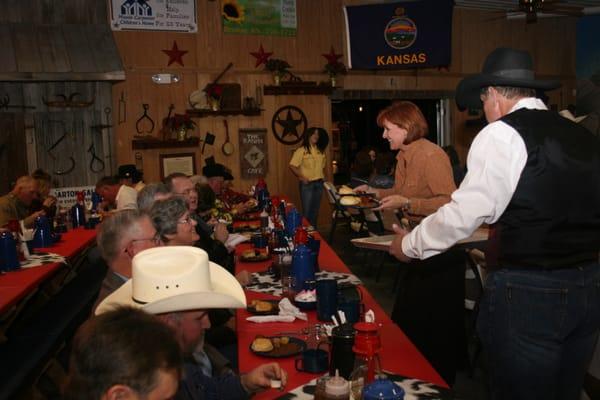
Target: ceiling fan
531,8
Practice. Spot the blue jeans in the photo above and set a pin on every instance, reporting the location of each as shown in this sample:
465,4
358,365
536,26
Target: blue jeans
539,329
310,195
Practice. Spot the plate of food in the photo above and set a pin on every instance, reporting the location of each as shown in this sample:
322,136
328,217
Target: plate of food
244,227
247,216
277,346
255,255
263,307
366,202
351,198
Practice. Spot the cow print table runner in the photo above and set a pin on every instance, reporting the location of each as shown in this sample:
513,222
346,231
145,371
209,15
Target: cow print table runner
264,281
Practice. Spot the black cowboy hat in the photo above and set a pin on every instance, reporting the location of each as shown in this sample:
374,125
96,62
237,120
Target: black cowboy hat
213,170
502,67
129,171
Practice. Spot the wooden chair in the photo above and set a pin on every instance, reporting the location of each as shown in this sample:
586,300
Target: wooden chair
339,212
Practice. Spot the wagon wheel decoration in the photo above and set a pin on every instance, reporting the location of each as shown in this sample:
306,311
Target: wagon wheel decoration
289,125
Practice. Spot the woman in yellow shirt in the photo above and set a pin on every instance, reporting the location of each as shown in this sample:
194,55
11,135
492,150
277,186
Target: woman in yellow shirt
308,164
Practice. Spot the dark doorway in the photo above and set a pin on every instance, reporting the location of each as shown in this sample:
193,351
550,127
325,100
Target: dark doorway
357,129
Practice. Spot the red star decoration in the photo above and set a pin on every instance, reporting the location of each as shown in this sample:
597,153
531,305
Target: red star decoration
261,56
175,55
332,58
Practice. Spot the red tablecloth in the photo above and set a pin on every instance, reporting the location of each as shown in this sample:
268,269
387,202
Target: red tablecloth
399,354
15,285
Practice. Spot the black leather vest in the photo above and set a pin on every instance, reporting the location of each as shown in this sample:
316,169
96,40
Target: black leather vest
553,218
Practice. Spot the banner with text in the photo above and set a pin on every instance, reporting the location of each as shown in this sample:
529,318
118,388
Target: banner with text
264,17
67,196
153,15
399,35
253,153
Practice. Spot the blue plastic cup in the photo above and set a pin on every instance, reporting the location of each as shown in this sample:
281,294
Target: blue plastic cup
9,260
326,299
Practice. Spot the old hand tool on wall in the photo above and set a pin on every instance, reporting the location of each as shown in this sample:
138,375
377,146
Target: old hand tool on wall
95,159
122,109
68,102
143,120
71,167
5,103
104,130
227,147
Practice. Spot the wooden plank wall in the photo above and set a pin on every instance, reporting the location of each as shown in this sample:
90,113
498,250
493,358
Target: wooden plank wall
320,26
13,162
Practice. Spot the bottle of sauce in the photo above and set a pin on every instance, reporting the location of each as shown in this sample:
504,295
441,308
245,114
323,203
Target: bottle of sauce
78,211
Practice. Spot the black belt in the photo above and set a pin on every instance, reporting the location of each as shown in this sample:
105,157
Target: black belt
571,261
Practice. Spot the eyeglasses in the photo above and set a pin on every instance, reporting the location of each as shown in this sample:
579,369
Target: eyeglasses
186,220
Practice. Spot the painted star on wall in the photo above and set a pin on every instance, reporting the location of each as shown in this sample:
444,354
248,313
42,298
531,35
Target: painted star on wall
332,57
175,55
261,56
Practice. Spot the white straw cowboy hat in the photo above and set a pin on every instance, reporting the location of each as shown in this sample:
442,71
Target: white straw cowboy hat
502,67
176,278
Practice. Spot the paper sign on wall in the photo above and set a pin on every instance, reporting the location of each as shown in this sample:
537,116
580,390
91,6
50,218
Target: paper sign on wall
253,153
265,17
153,15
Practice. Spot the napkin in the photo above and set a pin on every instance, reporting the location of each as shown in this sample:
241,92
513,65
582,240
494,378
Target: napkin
287,313
271,318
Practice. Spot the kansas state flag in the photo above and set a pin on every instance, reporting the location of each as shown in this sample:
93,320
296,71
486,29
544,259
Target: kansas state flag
411,34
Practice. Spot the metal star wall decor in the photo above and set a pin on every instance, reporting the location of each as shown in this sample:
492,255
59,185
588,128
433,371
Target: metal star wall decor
175,55
332,57
261,56
289,124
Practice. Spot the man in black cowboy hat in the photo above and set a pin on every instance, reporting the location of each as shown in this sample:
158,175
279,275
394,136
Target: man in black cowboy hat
216,175
535,178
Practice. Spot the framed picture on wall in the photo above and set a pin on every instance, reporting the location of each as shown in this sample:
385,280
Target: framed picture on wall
182,162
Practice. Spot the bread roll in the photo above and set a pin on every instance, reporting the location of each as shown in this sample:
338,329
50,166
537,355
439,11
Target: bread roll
263,306
349,200
345,190
262,344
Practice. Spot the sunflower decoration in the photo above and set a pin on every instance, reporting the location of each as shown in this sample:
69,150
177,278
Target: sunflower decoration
232,11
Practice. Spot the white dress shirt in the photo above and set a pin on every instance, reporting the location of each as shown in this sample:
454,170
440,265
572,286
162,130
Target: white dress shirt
126,198
494,165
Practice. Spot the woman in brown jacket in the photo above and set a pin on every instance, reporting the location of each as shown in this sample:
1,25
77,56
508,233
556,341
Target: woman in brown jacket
429,304
423,178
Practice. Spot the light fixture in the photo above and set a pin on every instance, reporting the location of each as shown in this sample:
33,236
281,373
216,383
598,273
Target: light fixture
164,79
360,108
